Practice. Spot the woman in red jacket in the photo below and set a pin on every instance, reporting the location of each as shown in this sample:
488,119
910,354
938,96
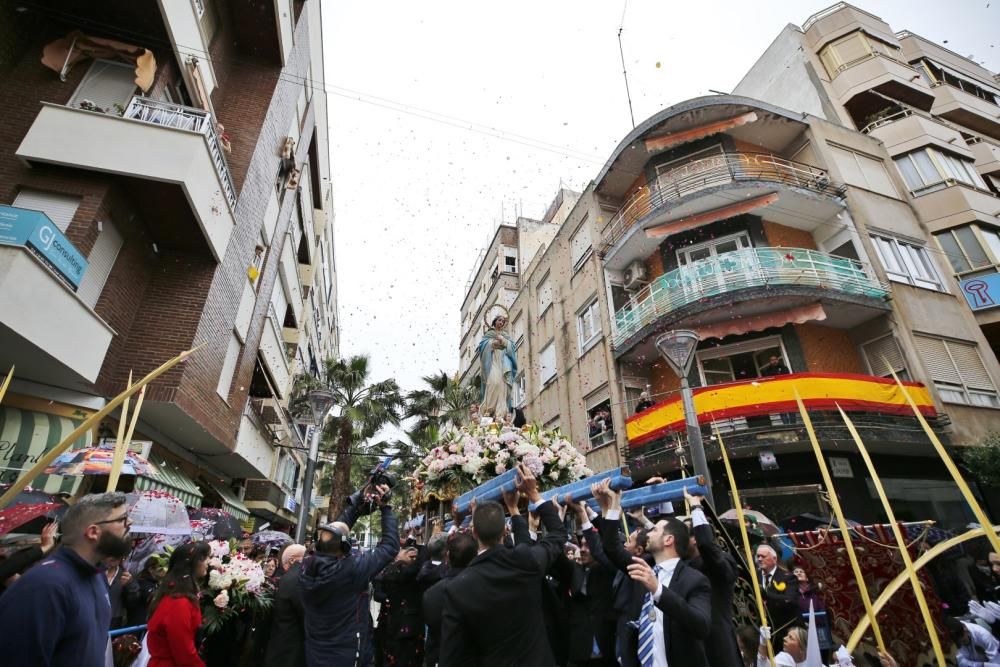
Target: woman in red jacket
175,614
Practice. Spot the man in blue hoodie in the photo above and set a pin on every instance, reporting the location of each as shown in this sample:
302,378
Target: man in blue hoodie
58,613
334,585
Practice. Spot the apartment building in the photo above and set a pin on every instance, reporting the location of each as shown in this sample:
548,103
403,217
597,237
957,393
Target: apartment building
166,178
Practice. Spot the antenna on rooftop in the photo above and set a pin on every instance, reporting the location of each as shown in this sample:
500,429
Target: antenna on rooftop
621,52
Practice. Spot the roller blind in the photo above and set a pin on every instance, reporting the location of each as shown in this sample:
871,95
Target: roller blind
883,356
934,353
106,84
99,264
59,207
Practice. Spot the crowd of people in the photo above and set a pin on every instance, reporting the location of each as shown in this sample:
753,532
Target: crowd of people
560,585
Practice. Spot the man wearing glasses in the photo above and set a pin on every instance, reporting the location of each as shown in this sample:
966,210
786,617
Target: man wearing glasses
59,612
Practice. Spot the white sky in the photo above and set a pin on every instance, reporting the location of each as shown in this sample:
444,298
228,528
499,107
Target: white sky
415,200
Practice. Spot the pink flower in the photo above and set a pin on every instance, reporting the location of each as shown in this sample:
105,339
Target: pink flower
221,600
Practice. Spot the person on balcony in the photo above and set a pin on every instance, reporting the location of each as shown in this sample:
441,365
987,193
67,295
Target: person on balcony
776,366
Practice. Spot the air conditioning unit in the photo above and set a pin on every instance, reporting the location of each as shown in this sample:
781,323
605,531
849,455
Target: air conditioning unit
635,275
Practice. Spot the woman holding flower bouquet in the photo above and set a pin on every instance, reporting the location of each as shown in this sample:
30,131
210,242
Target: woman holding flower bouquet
175,613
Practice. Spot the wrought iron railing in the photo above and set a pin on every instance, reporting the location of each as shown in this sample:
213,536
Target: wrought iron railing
181,117
739,270
671,186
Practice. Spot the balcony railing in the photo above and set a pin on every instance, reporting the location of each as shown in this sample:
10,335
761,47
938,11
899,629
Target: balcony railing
740,270
671,186
886,120
181,117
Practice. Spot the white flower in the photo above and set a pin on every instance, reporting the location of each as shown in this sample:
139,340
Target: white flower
221,600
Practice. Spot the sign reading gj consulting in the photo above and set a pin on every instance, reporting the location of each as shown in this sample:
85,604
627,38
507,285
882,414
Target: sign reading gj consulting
34,230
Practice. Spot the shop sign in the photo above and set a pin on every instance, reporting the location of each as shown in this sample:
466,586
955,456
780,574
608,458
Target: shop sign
841,467
34,230
982,292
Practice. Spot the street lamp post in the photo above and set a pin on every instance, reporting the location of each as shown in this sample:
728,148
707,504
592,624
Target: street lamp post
677,349
320,402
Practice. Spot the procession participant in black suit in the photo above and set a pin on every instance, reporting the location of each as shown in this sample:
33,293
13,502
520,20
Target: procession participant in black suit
722,571
671,602
492,612
460,549
781,590
287,644
591,610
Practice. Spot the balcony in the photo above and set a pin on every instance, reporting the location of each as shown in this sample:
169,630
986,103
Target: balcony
272,352
305,278
746,284
907,130
987,155
966,109
45,329
254,443
716,187
950,203
763,401
154,141
883,73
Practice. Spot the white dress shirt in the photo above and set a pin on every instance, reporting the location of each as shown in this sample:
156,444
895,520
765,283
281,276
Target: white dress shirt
983,648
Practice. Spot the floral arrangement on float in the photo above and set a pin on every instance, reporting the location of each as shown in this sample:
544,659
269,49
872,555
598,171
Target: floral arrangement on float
236,585
468,456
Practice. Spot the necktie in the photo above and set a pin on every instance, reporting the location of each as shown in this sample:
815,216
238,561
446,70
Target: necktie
646,620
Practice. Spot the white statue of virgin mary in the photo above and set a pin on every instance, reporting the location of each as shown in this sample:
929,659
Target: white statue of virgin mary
498,360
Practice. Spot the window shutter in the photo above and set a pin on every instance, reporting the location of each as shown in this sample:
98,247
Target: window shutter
99,263
580,243
875,173
60,208
850,171
547,360
884,355
970,365
245,312
229,365
936,358
106,84
280,303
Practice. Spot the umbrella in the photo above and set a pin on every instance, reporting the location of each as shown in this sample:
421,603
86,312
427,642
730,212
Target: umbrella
271,538
157,512
214,524
97,461
148,545
754,517
30,510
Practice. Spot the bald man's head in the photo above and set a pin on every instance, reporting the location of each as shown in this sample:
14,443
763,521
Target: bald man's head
294,553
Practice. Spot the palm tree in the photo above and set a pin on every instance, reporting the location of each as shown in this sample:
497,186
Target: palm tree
364,408
445,403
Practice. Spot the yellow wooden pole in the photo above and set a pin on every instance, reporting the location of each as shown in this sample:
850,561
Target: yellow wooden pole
918,591
903,577
953,469
27,477
845,532
119,456
116,471
6,383
746,540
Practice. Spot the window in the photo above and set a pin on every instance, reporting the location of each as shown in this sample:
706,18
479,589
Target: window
547,363
941,74
964,249
544,291
509,259
579,244
863,171
884,357
907,263
229,365
846,51
588,325
99,263
520,390
740,361
931,169
60,208
517,328
106,86
957,371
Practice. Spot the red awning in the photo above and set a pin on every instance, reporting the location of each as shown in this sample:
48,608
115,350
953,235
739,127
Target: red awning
742,325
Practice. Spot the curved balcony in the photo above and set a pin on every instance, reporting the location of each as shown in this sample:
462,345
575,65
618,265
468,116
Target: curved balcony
806,193
744,284
728,406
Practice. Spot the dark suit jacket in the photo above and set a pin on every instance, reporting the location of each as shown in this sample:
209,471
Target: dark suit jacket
287,645
492,613
591,609
782,605
433,607
686,605
722,572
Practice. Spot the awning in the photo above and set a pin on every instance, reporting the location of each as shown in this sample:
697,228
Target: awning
25,435
231,503
742,325
171,479
60,55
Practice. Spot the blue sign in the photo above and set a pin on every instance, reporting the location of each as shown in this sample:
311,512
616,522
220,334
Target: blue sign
33,229
982,292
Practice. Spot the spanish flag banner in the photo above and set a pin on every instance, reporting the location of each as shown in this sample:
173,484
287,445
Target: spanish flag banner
762,396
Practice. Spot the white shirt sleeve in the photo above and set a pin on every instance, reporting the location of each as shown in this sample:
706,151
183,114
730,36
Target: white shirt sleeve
698,516
586,526
613,514
658,593
985,640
